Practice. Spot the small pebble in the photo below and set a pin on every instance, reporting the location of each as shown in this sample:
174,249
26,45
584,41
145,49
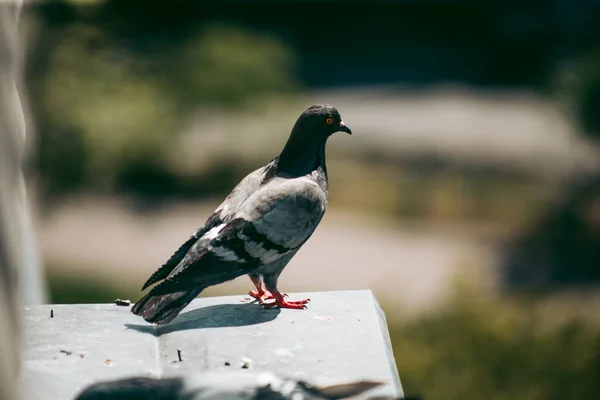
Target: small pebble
246,363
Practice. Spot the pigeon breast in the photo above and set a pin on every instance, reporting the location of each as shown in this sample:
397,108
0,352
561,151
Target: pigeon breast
286,210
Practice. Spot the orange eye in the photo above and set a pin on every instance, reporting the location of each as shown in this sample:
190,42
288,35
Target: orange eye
329,121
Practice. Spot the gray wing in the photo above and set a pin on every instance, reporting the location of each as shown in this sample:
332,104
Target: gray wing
222,214
274,221
242,192
286,211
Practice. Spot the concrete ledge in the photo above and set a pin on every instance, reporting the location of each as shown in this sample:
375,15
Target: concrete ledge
341,337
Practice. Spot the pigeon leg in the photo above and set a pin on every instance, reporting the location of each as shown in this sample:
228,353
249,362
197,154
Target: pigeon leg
280,301
259,294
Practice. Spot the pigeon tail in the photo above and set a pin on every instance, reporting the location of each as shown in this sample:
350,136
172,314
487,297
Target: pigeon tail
162,309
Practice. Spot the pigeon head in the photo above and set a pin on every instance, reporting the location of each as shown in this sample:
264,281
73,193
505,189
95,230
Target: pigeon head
322,120
305,149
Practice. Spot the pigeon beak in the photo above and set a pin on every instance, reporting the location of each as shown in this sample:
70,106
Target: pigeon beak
344,128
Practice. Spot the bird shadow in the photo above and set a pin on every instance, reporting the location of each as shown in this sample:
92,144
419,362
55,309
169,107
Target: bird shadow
217,316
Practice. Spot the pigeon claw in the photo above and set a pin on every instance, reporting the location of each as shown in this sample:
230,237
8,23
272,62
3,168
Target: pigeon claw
261,296
285,304
281,302
265,295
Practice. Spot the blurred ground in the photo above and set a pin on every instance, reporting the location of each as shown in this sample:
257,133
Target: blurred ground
104,239
510,130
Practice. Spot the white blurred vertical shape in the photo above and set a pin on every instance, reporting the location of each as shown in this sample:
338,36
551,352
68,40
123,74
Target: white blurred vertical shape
31,277
17,249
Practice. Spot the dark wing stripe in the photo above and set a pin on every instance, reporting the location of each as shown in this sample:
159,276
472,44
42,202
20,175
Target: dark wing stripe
176,258
206,268
229,239
257,237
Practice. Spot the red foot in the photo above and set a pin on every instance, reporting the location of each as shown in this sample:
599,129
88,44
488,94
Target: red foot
261,296
260,293
281,302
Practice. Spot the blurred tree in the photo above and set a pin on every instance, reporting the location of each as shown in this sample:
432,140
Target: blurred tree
563,248
108,103
479,348
578,84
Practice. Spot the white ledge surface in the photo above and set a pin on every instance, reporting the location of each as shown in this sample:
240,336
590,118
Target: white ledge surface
341,337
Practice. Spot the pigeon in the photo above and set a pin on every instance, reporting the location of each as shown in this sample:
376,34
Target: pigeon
257,229
215,385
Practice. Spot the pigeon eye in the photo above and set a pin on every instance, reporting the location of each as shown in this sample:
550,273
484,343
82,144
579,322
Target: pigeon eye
329,121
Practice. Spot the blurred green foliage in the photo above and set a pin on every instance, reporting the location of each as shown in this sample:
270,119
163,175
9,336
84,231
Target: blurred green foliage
578,83
562,249
477,347
64,288
109,106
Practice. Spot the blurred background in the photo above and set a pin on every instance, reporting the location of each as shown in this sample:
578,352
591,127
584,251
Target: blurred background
467,199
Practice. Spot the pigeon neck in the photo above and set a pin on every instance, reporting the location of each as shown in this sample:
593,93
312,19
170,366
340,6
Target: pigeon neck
302,155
